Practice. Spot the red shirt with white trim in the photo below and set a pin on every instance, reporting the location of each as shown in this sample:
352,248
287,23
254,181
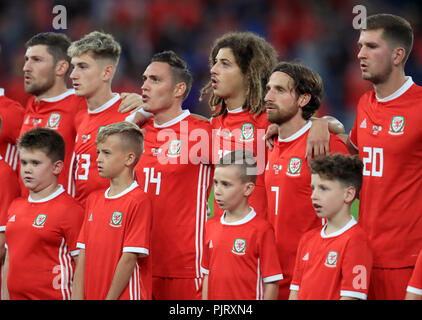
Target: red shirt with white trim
415,282
41,239
332,266
239,258
114,225
11,115
388,135
174,172
9,190
239,129
85,178
61,113
288,184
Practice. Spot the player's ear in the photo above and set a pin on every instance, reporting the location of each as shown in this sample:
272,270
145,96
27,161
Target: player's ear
179,90
57,167
349,194
130,158
108,72
398,55
249,187
304,99
61,67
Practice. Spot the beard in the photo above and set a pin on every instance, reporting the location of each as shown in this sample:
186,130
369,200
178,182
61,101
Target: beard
279,117
37,88
379,77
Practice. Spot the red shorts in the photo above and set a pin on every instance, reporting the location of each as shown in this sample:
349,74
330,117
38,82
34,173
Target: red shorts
389,284
176,288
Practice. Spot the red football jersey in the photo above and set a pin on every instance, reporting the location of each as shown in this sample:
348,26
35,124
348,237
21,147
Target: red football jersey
173,171
11,115
415,283
41,238
239,258
85,178
61,113
239,129
288,184
332,266
9,190
112,226
388,134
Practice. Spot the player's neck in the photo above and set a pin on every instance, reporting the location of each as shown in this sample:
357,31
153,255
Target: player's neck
394,82
237,214
338,221
235,102
99,98
57,89
292,126
120,183
44,193
168,114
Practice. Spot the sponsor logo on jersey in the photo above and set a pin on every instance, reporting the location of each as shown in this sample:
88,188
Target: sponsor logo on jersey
40,221
247,132
90,217
376,129
54,120
116,219
85,138
306,257
294,167
397,126
277,168
155,151
12,219
331,260
174,148
239,246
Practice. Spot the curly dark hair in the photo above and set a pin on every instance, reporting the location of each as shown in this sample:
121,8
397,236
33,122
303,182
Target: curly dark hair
347,169
256,58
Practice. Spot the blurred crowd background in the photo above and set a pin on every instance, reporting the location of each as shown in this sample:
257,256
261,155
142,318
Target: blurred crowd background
318,33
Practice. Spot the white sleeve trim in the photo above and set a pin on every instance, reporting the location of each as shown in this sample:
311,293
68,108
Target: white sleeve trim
414,290
351,142
276,277
353,294
80,245
205,271
140,250
294,287
2,228
75,253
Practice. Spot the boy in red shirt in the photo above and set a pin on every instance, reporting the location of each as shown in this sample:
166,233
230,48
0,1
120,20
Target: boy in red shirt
115,238
240,256
42,229
334,262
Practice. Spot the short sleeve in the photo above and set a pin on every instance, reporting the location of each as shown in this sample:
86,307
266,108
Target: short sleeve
356,269
137,236
270,266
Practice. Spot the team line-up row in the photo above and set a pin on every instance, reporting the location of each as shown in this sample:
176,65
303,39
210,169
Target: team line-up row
112,196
